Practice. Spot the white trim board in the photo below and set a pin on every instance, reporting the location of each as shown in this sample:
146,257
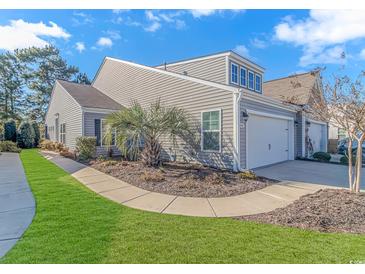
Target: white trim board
270,115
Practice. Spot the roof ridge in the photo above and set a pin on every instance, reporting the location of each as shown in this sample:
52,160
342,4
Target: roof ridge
182,76
291,76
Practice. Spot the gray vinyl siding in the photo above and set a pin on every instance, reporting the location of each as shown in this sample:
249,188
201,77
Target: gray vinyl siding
213,69
246,104
124,83
69,112
89,130
300,131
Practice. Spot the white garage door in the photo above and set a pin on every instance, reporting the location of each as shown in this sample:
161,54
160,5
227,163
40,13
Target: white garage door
267,140
316,135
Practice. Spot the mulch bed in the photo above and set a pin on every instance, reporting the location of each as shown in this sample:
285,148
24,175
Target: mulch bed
329,210
181,179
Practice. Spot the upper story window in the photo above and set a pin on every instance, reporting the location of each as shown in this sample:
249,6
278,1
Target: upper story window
211,131
258,83
243,77
234,73
251,80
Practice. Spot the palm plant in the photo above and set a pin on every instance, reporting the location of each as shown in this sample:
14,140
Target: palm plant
139,127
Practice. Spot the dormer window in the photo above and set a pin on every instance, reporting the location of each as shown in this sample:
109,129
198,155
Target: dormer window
234,73
258,82
251,80
243,77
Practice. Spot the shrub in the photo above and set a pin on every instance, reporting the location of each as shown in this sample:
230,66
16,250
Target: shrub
345,160
37,134
9,146
10,130
25,136
248,175
86,147
47,145
68,154
322,156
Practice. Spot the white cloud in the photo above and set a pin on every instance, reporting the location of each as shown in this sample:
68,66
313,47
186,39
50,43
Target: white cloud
113,34
80,46
202,12
258,43
153,27
150,16
242,50
119,11
198,13
81,18
21,34
362,54
322,34
105,42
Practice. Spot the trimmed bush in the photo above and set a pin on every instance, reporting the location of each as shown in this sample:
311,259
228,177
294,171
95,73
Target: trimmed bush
25,136
322,156
10,130
37,134
9,146
85,147
345,160
248,175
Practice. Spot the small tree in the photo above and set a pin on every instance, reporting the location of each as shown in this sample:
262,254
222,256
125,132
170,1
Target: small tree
344,107
25,136
37,134
137,125
10,130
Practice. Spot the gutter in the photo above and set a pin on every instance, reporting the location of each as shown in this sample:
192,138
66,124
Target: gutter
237,94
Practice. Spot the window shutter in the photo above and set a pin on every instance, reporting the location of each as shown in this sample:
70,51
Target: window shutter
97,131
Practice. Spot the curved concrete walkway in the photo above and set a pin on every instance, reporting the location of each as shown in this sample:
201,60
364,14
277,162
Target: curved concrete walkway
17,205
260,201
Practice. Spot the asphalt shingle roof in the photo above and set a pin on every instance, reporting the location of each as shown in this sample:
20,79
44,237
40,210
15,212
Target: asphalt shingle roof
88,96
295,88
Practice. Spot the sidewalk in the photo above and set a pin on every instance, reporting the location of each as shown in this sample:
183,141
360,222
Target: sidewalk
17,205
260,201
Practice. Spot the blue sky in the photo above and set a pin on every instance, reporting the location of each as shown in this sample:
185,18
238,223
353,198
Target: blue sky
283,41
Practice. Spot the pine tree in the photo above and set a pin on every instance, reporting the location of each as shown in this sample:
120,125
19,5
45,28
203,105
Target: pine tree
43,67
11,87
82,78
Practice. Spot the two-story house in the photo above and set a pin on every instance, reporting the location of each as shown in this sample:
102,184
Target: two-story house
237,127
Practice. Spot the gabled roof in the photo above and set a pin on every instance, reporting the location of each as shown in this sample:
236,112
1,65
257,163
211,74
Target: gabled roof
230,53
88,96
294,89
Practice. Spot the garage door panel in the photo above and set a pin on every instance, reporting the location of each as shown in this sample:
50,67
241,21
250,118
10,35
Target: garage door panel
268,140
316,135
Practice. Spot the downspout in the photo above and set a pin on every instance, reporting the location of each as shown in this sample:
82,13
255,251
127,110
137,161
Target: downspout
236,130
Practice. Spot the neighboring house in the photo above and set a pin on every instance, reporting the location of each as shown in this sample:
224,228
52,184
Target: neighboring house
237,127
303,90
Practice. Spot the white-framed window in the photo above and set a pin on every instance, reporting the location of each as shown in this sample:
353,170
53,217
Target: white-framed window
243,76
258,82
234,73
251,80
103,131
211,130
63,133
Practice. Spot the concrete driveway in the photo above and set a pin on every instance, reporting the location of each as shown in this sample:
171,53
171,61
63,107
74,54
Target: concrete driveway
17,205
309,172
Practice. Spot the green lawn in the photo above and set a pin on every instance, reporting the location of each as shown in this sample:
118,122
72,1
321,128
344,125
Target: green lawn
75,225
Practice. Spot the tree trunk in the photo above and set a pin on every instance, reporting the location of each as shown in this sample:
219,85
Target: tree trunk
151,153
350,170
358,164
